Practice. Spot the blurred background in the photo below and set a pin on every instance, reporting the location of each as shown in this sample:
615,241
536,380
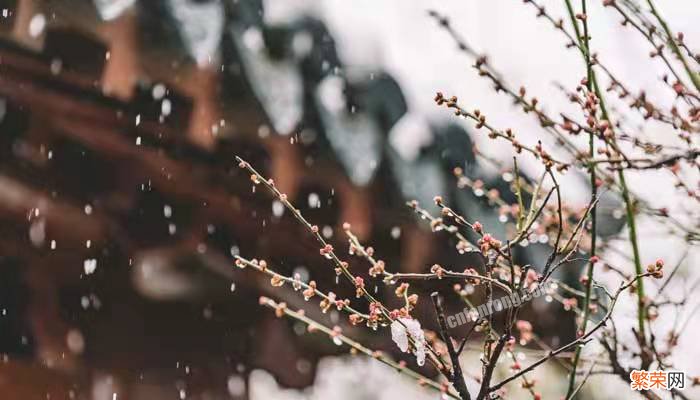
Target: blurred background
122,205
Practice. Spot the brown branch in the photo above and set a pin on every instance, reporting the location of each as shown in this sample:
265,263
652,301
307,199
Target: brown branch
581,340
456,378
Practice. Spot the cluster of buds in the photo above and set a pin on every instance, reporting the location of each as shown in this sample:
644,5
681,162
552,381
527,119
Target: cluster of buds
570,303
440,100
400,313
510,344
339,270
342,303
326,303
355,319
544,155
377,269
488,242
276,280
401,290
605,130
279,310
531,278
310,291
481,118
326,250
437,223
584,280
359,286
437,270
570,127
525,330
375,312
656,269
472,271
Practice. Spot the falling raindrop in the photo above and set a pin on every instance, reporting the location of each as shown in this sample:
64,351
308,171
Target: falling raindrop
235,385
166,107
158,91
302,273
37,25
56,66
89,266
277,208
75,341
37,232
327,232
314,200
235,251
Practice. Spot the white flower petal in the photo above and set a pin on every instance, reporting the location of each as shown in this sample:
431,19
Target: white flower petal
401,329
398,335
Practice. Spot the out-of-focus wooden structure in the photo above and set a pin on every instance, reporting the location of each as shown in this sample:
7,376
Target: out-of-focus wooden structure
98,190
